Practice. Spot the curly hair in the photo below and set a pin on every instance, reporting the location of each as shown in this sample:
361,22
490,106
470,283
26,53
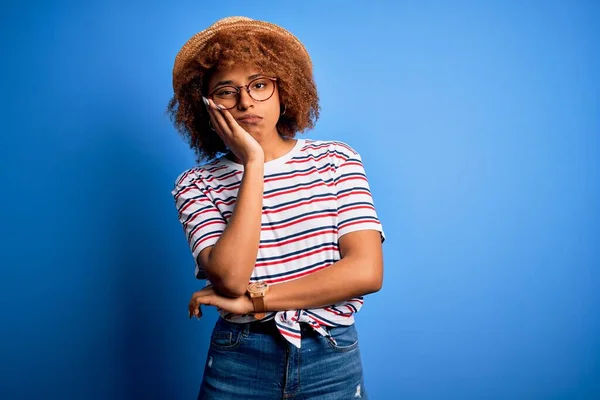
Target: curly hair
273,56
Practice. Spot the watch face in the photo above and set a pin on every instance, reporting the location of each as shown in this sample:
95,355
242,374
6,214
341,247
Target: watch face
257,287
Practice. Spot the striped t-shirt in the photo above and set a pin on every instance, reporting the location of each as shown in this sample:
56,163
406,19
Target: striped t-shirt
313,195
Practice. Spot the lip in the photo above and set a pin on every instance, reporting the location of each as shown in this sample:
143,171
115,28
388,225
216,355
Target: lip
250,119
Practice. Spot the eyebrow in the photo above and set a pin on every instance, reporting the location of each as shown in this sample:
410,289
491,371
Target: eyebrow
230,82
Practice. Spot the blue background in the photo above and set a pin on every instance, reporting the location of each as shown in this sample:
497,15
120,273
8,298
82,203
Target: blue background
479,126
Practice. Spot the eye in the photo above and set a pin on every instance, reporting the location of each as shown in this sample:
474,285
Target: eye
260,84
226,92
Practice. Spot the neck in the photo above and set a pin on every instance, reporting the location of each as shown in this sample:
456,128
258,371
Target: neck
273,145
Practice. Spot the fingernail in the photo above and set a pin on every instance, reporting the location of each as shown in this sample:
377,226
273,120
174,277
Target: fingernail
206,102
220,107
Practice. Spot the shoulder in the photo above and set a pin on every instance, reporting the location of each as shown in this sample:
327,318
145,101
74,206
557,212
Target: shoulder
198,173
335,150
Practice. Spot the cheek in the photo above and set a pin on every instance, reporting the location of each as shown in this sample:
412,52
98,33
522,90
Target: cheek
272,110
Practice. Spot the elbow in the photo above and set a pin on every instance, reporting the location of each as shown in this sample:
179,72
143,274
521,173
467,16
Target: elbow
230,286
373,279
374,284
227,282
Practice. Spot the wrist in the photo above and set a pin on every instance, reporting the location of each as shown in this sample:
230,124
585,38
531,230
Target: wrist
254,161
256,293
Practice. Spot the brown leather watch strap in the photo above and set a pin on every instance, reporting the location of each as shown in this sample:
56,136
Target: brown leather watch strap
259,307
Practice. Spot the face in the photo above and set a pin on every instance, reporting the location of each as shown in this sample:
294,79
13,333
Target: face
256,112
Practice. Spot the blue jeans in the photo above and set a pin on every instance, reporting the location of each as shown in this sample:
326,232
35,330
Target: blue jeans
252,361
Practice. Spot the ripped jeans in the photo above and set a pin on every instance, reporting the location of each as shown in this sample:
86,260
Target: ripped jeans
252,361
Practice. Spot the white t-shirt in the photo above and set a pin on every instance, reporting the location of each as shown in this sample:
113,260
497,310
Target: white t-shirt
313,195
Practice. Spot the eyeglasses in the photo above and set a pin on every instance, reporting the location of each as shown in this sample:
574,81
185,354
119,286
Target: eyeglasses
259,89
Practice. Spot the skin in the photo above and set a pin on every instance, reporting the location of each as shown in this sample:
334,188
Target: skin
229,263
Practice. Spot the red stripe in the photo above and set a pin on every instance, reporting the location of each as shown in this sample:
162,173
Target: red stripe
346,147
206,225
295,276
182,192
313,158
342,225
299,238
291,176
339,314
319,321
271,228
298,189
223,179
351,162
285,260
227,203
302,203
234,187
208,210
204,240
287,333
355,208
354,192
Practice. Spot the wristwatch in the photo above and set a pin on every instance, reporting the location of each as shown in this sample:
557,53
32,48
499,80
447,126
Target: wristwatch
257,292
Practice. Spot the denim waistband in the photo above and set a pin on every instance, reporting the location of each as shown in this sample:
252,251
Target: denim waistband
270,327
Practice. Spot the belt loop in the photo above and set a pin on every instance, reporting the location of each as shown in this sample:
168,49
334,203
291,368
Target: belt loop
246,330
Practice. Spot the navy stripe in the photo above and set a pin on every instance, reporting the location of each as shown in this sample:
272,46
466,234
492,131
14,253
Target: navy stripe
283,238
316,196
297,217
200,238
189,236
315,156
288,273
349,174
353,189
320,317
191,215
299,171
298,185
295,253
287,328
367,218
356,203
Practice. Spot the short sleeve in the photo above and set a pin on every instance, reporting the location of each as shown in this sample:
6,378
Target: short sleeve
355,207
201,220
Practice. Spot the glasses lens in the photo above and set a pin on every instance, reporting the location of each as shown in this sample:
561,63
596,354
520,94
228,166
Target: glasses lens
261,89
226,96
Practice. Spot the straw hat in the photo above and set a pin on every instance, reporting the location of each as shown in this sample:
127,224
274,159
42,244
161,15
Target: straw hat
243,25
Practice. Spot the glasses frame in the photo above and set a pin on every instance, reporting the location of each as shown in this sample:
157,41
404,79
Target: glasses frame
248,90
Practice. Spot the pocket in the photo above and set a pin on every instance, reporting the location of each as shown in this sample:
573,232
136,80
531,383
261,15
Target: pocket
346,338
226,335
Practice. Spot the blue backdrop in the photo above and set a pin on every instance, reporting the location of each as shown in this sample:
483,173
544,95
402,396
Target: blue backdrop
479,126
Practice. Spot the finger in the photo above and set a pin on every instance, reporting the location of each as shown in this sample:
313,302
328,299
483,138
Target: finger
217,114
216,126
194,310
231,122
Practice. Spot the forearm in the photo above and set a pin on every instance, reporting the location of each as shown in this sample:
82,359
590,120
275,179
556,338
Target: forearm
343,280
232,259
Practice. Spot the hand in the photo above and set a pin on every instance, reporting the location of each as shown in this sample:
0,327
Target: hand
208,297
236,138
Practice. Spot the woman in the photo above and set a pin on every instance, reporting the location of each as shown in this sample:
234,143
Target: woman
283,229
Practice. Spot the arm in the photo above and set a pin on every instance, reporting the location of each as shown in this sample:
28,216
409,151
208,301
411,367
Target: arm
359,272
229,263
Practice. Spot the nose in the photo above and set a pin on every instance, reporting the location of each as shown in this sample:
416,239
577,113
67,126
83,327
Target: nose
245,100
